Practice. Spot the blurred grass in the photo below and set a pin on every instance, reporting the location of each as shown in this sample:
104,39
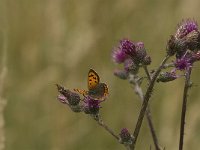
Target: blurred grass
58,41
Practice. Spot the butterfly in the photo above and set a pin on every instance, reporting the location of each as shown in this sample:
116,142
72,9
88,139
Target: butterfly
96,89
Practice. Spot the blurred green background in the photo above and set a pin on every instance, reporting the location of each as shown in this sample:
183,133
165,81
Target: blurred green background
57,41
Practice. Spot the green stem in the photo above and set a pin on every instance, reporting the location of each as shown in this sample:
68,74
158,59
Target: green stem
102,124
145,103
147,73
184,108
139,92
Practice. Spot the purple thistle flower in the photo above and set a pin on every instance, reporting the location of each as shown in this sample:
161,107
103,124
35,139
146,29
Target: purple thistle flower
91,105
186,60
125,50
128,47
183,63
185,27
119,56
132,55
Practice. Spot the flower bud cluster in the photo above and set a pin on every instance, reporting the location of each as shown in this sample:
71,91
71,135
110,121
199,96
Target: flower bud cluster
132,55
185,45
70,98
187,37
88,104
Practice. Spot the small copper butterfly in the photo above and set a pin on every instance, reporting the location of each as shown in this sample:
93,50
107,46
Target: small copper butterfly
96,89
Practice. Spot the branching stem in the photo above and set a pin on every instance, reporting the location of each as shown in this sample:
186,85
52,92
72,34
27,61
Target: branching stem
184,107
147,73
102,124
139,92
145,103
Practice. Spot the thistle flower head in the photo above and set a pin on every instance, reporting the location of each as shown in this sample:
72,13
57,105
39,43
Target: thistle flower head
125,137
183,63
140,50
146,60
91,105
192,40
125,49
128,47
172,46
67,97
119,56
141,55
133,55
130,66
185,27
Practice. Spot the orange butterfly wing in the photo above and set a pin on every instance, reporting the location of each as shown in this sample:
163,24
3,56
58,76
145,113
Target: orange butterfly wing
95,88
82,92
93,79
106,90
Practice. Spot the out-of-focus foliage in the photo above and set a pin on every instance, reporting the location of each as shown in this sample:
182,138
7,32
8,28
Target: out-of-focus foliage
57,41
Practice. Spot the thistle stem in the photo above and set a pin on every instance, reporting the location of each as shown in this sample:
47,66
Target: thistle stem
139,92
145,103
147,73
184,108
149,118
102,124
152,129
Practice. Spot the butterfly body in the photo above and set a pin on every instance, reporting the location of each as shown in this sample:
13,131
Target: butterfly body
99,91
96,89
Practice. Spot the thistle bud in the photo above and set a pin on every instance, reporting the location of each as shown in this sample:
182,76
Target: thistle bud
166,77
67,96
130,66
171,46
185,27
74,99
125,137
146,60
140,52
192,40
76,108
